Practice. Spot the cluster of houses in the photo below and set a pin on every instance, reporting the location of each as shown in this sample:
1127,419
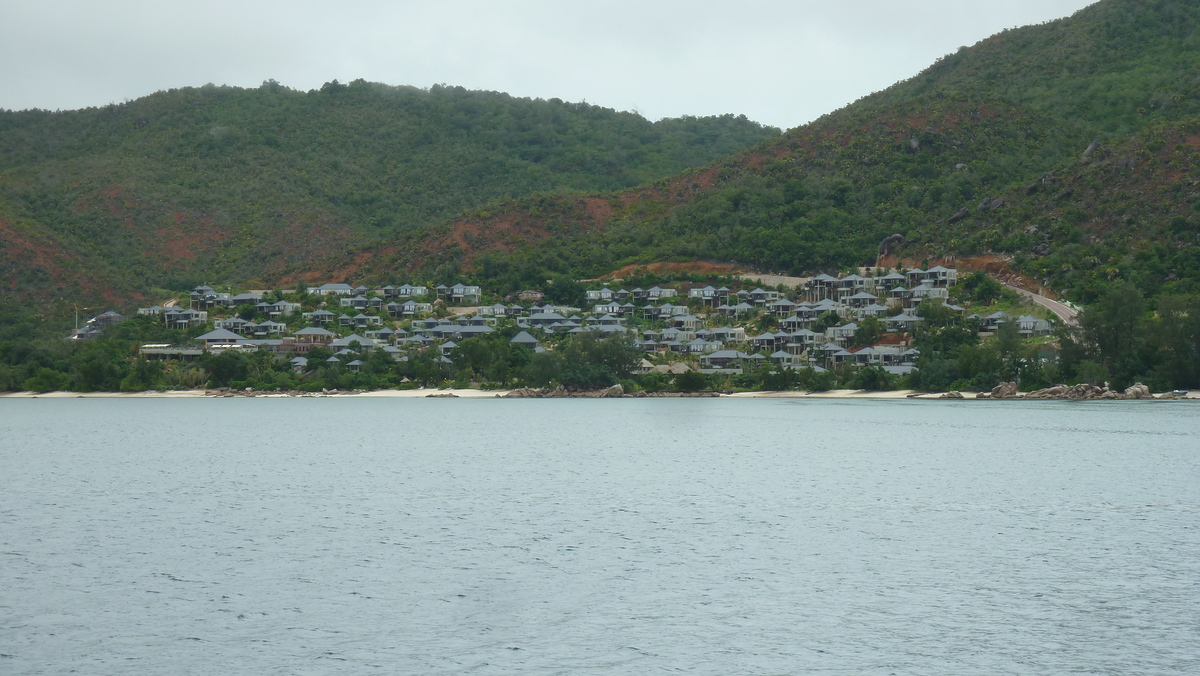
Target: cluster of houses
816,330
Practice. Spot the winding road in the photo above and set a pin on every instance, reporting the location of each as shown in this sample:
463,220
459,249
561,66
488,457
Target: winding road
1068,314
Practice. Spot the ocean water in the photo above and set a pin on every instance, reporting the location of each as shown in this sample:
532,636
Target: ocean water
698,536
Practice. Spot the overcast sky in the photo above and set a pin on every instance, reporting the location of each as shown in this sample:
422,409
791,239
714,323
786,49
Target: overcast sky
781,62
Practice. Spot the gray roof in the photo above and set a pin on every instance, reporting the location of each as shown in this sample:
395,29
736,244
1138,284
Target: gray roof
523,338
220,334
342,342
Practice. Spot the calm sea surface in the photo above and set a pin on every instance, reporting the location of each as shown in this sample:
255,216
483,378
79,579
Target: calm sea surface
699,536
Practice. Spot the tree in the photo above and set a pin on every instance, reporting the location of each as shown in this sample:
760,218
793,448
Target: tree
691,381
982,287
1091,373
871,379
1010,349
1113,329
143,375
825,321
544,368
870,330
1175,335
46,379
593,360
223,368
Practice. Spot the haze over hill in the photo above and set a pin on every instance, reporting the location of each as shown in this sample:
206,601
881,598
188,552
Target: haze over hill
987,151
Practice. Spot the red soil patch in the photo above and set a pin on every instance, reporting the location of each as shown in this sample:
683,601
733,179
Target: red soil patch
350,270
599,210
917,121
49,257
178,246
23,249
188,236
1193,141
500,234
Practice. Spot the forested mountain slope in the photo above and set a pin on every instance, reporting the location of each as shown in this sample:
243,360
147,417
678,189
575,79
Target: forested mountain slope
1072,146
225,185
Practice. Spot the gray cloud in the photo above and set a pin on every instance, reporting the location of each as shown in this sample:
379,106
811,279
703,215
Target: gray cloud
779,62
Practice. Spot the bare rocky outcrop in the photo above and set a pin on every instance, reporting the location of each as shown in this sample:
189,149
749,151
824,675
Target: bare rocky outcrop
616,391
1087,154
1086,391
1138,391
1005,391
952,395
525,393
1080,391
889,244
562,392
959,215
993,203
226,392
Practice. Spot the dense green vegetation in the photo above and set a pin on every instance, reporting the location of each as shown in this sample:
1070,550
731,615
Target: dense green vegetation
225,184
989,151
1069,152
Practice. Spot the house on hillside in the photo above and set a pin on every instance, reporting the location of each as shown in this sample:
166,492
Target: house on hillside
334,289
601,295
234,323
902,323
706,295
1030,326
460,293
781,307
926,291
314,336
183,318
357,302
279,308
842,335
657,293
319,317
941,276
221,338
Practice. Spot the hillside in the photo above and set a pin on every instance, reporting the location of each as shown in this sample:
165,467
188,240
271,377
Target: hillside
226,185
1070,147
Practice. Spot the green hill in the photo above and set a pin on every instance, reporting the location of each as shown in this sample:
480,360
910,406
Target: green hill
985,152
227,185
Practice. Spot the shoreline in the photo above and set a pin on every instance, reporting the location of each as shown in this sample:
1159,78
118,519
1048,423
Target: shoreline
451,393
